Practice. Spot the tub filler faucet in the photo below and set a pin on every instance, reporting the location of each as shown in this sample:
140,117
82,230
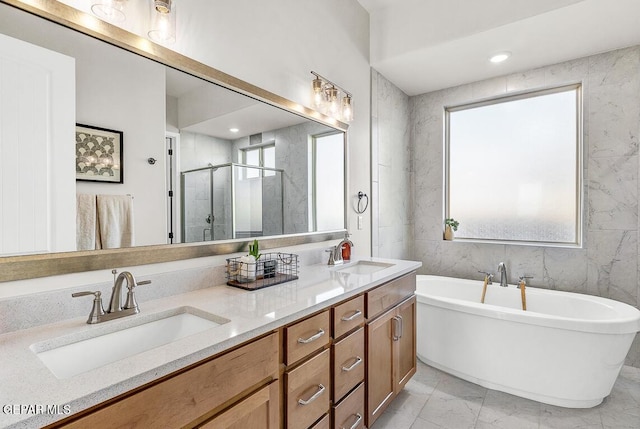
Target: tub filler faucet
502,269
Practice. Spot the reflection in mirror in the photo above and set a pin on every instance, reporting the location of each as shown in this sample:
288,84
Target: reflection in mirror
228,166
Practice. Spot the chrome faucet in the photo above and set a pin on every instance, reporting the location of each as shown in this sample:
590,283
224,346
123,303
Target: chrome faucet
115,304
116,309
502,269
335,255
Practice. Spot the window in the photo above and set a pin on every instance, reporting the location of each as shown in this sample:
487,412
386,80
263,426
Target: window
514,167
261,156
326,182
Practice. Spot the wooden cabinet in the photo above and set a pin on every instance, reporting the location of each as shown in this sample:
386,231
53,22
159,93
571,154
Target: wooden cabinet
391,342
347,316
349,413
307,390
323,423
341,367
406,343
260,410
194,395
380,358
389,294
307,336
348,363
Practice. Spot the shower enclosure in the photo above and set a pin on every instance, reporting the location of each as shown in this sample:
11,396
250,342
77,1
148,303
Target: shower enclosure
231,200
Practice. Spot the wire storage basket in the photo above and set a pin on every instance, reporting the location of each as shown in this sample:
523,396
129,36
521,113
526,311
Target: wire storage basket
271,269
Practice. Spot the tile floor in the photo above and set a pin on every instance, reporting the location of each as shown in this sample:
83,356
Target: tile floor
433,399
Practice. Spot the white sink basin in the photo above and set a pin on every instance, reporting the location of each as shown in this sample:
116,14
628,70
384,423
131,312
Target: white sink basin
66,359
364,267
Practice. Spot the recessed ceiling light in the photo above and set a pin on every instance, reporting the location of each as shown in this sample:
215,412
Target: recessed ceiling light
234,130
500,57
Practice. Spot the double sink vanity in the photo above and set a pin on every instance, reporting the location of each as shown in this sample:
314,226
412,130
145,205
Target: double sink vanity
294,355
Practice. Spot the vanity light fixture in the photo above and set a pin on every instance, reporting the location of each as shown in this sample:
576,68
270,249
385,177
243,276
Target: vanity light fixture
330,99
109,10
163,21
347,110
500,57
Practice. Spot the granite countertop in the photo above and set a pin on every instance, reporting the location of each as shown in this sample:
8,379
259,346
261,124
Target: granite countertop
32,396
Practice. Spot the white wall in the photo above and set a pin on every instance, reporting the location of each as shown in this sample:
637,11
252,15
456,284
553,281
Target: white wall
101,82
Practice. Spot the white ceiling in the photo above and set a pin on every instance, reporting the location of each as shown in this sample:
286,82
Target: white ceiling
425,45
205,108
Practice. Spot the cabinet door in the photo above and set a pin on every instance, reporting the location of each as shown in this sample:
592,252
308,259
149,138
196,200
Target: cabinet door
260,410
380,350
405,343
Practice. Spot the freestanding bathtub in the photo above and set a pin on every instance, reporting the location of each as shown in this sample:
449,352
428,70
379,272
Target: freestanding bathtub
566,349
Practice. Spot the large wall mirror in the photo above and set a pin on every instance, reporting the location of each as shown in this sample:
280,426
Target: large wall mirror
166,164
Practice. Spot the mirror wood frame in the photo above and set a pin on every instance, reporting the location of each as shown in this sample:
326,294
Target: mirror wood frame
44,265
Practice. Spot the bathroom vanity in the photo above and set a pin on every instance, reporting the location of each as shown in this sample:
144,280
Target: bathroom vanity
331,349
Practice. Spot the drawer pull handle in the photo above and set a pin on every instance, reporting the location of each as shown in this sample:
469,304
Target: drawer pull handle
315,396
356,314
357,422
397,329
311,338
356,363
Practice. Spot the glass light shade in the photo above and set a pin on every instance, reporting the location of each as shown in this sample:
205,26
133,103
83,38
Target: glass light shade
332,96
109,10
347,109
316,93
163,24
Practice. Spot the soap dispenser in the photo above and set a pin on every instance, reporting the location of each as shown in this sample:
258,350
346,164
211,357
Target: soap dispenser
346,246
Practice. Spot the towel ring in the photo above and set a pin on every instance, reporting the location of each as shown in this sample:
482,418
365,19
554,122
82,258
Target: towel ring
362,195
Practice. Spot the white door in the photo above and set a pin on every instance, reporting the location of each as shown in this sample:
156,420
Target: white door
37,149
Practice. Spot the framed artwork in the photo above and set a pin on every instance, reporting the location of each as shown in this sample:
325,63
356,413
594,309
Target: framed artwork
98,154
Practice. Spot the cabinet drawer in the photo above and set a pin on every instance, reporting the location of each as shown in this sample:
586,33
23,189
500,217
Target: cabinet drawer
348,363
190,395
347,316
349,414
307,391
260,410
306,337
390,294
323,423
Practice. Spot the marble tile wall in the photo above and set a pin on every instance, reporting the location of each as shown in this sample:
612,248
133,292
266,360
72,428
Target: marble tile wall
608,263
392,189
291,156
